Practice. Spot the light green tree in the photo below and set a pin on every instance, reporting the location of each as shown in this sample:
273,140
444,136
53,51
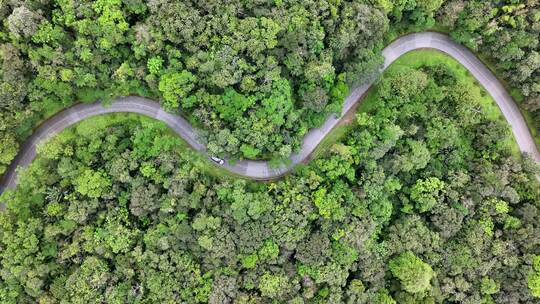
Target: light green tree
92,183
272,285
533,279
176,86
426,193
412,272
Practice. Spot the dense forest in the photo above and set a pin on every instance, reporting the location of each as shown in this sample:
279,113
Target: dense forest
508,33
420,203
422,200
255,75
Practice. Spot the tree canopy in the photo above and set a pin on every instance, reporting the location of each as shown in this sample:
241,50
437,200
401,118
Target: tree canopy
422,200
118,210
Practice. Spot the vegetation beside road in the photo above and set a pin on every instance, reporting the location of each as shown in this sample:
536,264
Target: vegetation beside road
420,191
419,200
416,59
507,34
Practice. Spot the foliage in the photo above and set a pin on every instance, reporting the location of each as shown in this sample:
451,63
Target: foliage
412,272
533,279
91,183
116,210
261,72
418,203
175,87
507,32
426,193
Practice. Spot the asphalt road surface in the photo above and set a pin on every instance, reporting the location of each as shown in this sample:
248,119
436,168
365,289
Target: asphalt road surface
261,170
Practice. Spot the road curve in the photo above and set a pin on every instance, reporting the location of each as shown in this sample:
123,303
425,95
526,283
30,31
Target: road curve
261,170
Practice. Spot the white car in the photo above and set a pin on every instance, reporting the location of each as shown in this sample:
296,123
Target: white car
217,160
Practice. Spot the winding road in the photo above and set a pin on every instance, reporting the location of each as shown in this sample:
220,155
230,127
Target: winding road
261,170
